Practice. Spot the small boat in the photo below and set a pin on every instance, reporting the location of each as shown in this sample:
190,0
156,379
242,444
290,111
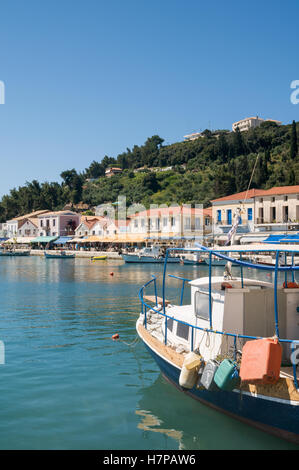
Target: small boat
194,260
14,253
149,255
59,255
98,258
234,347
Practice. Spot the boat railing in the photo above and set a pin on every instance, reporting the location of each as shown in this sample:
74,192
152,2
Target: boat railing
145,307
184,280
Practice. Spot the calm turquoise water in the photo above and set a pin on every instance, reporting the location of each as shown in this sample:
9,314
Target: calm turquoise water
67,385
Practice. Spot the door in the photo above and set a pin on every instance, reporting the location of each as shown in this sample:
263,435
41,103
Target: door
229,216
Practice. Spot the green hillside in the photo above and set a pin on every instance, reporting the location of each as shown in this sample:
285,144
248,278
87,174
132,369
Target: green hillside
218,164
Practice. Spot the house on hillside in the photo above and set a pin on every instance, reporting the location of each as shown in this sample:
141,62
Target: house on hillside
112,171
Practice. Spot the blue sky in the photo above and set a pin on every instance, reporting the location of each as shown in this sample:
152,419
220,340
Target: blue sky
85,79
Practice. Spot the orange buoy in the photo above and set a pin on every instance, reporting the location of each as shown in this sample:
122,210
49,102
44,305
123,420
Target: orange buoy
114,337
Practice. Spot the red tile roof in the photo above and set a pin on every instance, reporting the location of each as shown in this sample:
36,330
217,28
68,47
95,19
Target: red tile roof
173,210
278,190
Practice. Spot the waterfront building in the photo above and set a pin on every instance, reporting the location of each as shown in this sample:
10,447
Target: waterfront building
262,211
250,123
19,225
91,225
174,222
59,223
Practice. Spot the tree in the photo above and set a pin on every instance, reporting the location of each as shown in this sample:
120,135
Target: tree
294,142
238,143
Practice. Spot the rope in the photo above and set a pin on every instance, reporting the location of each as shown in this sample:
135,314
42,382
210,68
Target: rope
252,173
130,344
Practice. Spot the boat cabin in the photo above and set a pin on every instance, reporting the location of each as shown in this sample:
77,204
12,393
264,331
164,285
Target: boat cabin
238,306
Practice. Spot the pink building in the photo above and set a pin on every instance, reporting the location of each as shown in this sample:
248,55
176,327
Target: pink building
57,224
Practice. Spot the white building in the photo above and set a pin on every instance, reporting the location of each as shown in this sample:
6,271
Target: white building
91,226
193,136
250,123
173,221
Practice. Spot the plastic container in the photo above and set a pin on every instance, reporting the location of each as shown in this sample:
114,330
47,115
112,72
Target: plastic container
227,375
207,378
189,373
261,361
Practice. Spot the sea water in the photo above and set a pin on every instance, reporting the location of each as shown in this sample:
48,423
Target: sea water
66,384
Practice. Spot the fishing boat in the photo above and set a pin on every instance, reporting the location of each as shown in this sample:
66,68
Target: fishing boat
59,255
149,255
234,347
98,258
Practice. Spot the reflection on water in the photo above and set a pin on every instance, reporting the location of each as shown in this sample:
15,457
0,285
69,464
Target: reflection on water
151,423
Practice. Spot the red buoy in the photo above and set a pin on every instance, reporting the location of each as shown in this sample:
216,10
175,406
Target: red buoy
111,274
116,336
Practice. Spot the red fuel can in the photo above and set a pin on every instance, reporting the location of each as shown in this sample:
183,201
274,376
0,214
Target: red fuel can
261,361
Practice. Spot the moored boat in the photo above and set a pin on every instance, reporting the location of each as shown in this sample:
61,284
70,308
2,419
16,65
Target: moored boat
59,255
202,348
98,258
149,255
14,253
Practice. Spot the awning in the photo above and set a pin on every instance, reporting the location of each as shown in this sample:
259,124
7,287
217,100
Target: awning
224,237
291,238
62,240
43,239
252,239
75,240
93,239
274,238
19,240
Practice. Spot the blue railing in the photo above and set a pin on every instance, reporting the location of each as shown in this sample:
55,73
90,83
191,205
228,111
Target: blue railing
235,336
183,285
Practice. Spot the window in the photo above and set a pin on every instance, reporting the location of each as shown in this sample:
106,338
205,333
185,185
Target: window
261,199
158,224
41,223
202,305
249,213
172,221
187,222
197,222
273,199
219,215
142,223
285,198
135,223
183,331
164,221
54,222
169,324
